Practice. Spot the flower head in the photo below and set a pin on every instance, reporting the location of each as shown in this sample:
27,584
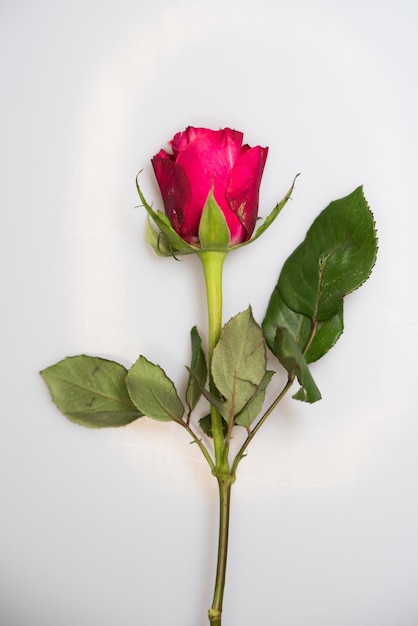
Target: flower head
202,161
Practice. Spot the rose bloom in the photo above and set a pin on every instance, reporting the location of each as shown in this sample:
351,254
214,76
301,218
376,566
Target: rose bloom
202,160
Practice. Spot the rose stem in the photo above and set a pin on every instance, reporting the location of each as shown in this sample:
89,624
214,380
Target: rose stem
212,266
212,262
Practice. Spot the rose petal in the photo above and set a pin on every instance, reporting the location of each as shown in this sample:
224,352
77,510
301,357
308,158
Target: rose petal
163,155
202,160
207,161
175,190
244,184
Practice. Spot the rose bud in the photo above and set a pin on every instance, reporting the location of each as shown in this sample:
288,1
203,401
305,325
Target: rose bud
202,161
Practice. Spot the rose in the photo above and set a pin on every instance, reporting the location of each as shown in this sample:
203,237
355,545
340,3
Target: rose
203,160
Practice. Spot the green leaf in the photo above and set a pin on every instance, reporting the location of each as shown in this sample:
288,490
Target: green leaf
290,356
153,392
336,257
219,405
239,361
326,335
278,314
253,407
213,230
214,400
91,391
205,424
197,372
272,216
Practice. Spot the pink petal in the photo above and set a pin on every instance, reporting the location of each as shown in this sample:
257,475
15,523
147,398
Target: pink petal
207,161
244,184
175,189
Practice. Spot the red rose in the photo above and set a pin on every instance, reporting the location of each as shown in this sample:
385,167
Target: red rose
202,160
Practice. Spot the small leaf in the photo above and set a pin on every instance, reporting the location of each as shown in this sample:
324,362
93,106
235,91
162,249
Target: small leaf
205,424
215,401
91,391
213,230
153,392
336,257
197,372
278,314
253,407
239,361
290,356
219,405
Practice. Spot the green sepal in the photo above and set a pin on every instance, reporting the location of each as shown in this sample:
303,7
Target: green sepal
205,424
153,392
178,245
213,230
253,407
91,391
239,362
272,216
336,257
300,326
198,371
158,242
290,356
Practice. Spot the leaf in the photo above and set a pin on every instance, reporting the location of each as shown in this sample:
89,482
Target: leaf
290,356
205,424
198,371
239,361
336,257
278,314
219,405
213,230
253,407
91,391
153,392
327,334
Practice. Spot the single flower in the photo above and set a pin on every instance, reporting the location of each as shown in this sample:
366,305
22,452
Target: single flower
204,160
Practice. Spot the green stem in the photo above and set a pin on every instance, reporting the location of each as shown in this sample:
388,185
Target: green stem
198,441
215,612
240,454
212,262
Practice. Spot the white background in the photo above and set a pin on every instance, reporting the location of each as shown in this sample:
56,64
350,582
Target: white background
118,527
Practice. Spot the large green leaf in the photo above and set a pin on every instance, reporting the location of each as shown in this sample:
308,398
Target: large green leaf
91,391
300,326
197,372
336,257
239,361
153,392
290,356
